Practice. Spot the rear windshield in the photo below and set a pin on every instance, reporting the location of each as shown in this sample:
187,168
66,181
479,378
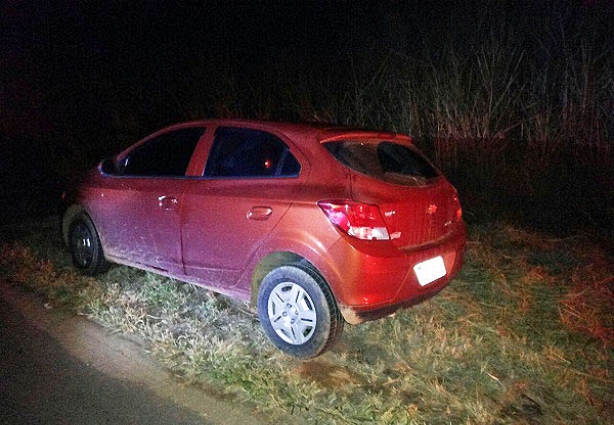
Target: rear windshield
386,161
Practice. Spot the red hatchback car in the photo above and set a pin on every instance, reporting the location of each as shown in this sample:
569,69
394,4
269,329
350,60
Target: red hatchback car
316,225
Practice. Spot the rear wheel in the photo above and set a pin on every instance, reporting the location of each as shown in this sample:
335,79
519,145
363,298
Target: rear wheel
85,247
298,312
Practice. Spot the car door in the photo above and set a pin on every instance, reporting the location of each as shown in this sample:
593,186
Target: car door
145,200
250,180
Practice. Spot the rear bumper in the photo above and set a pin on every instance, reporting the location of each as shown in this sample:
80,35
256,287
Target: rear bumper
379,279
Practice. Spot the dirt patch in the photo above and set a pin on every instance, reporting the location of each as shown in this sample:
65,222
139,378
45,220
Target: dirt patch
327,375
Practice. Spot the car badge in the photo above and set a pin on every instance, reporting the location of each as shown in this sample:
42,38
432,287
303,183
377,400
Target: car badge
432,208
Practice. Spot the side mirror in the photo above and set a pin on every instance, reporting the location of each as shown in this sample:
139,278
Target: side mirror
107,166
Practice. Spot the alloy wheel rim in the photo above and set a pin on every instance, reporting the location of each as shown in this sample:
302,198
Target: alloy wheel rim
292,313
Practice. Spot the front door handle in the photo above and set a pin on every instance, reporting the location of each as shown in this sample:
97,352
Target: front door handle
167,202
259,213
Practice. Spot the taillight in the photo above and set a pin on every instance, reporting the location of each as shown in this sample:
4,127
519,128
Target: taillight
363,221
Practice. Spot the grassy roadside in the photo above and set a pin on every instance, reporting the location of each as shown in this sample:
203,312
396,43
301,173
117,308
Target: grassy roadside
525,334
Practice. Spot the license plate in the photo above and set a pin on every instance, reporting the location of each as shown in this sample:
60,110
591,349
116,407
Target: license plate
430,270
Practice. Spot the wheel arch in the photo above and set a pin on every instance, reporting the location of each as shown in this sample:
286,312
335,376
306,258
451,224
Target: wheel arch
276,259
70,213
294,247
269,263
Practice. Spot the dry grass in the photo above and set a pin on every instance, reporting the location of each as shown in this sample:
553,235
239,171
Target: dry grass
523,335
587,308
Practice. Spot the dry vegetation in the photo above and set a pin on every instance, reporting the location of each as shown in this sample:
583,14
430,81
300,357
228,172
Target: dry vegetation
524,334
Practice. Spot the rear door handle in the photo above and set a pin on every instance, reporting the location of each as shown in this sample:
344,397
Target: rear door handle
167,202
259,213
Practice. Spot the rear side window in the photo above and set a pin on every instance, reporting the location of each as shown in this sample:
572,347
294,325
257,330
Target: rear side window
386,161
241,152
166,155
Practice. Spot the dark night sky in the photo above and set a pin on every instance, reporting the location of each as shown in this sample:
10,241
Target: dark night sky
64,57
68,51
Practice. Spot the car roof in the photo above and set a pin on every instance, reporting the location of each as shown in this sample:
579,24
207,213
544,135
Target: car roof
316,131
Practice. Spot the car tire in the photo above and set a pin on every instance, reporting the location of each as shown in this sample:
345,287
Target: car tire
298,312
85,247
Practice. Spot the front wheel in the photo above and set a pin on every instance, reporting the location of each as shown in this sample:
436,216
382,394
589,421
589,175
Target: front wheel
298,312
85,247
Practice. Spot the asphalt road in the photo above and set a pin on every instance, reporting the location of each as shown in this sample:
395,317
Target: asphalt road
60,369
